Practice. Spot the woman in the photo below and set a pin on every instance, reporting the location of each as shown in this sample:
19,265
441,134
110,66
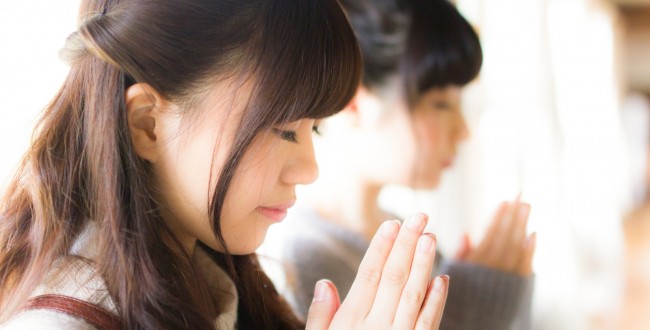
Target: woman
177,138
403,127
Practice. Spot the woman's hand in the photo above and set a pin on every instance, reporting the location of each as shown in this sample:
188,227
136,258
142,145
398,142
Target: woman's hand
506,246
393,288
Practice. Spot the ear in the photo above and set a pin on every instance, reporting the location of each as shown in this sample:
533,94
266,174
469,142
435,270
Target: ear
368,107
360,106
143,109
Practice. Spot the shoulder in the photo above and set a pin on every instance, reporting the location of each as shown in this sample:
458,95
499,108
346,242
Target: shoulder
481,297
45,319
77,277
71,277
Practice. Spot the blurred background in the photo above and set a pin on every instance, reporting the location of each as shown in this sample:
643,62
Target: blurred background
560,114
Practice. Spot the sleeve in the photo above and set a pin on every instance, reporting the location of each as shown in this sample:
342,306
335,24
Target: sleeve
45,319
484,298
310,262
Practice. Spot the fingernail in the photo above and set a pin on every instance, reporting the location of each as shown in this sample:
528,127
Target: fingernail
389,229
320,292
415,222
438,283
524,209
425,244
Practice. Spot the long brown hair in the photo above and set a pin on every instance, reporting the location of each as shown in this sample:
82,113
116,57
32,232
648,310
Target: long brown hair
81,166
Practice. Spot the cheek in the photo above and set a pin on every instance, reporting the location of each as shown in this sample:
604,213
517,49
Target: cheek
187,179
254,184
433,146
432,134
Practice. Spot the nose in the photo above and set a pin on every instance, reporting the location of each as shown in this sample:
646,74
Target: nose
302,168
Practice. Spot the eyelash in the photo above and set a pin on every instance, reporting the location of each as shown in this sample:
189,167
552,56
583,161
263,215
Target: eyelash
291,135
286,135
441,106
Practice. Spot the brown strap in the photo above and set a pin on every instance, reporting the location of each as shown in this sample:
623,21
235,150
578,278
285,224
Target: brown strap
92,314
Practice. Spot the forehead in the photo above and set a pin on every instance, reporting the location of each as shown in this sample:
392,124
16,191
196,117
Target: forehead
448,93
224,101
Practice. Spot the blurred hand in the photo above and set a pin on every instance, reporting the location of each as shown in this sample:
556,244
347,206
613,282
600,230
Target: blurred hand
393,288
505,246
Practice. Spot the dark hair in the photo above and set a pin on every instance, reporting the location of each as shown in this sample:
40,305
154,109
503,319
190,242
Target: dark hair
428,42
304,61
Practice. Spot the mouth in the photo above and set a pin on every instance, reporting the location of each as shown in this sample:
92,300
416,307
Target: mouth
448,163
276,213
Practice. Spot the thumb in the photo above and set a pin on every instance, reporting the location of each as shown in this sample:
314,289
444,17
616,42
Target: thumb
324,305
465,248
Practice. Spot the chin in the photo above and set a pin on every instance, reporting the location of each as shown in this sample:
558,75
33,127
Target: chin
244,250
247,245
425,185
427,182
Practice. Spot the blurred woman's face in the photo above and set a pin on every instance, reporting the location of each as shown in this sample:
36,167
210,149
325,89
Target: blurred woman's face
439,126
394,144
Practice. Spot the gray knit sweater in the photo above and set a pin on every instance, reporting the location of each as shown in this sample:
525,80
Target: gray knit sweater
479,297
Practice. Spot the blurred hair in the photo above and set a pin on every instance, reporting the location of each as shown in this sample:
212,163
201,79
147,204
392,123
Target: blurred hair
81,167
427,42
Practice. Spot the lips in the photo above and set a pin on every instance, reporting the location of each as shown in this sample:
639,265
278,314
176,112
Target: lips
448,163
275,212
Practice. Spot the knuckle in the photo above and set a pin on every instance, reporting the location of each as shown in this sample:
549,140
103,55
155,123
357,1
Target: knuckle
395,276
406,242
369,275
423,264
427,320
413,297
382,249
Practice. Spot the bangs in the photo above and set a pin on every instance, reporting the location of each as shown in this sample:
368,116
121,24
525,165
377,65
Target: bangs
311,64
443,49
304,62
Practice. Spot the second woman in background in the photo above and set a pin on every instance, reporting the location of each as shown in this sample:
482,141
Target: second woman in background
403,127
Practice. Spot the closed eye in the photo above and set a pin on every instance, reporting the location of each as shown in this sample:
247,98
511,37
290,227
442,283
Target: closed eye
316,127
290,136
441,106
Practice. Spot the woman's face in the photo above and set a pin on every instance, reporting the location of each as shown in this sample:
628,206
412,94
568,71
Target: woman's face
262,189
439,127
390,143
